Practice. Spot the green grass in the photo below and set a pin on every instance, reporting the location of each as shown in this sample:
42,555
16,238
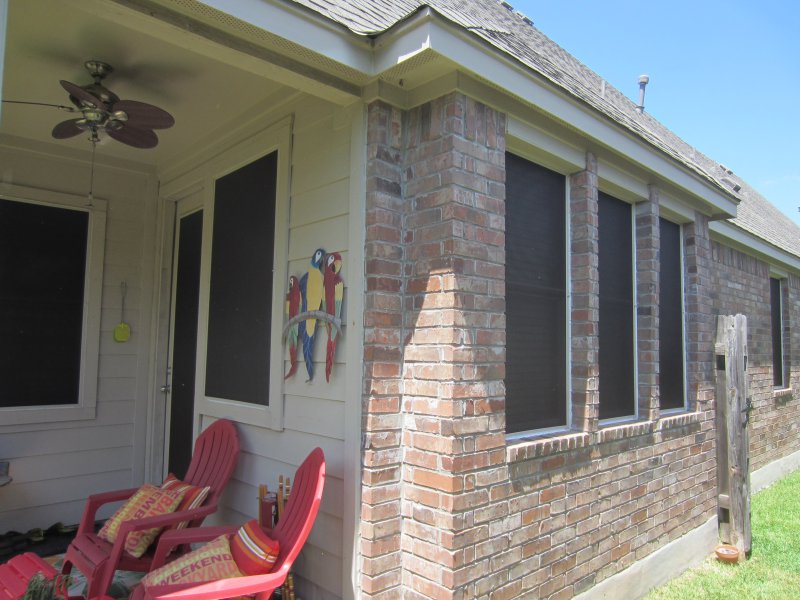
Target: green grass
773,570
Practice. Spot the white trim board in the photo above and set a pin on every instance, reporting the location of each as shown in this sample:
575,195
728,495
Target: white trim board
774,471
659,567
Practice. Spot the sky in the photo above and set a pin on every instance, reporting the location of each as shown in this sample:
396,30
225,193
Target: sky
724,76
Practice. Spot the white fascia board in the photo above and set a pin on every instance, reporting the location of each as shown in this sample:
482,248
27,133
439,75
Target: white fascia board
426,30
727,233
674,209
620,184
532,141
302,27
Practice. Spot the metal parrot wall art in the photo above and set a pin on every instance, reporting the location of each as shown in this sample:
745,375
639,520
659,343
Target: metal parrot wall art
334,291
311,294
316,296
292,310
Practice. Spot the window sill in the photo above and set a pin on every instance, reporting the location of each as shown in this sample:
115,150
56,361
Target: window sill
783,393
526,449
530,448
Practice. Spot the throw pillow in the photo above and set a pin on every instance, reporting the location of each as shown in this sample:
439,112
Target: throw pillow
253,550
210,562
193,495
148,501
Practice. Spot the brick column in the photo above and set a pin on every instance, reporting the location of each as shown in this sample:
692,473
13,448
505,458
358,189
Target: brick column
383,339
648,244
585,296
700,320
434,361
454,435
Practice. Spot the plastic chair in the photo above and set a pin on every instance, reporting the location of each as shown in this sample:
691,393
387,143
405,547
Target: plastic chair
291,532
213,460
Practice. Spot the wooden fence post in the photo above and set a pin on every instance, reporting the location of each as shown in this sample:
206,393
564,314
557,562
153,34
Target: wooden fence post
733,416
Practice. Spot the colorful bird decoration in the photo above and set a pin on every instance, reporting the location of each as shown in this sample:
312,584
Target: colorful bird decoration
311,294
334,292
292,310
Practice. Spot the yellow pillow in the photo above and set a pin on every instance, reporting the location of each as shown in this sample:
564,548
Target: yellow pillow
210,562
148,501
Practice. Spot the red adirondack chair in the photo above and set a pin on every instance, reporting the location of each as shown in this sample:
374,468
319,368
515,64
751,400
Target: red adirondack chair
215,453
291,532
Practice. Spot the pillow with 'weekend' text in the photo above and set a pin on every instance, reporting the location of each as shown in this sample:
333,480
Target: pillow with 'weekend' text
147,501
211,562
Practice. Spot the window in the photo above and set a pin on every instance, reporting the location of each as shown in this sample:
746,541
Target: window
776,320
670,323
617,334
536,308
240,301
49,306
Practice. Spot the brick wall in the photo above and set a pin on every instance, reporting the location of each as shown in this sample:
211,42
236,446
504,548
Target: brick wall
450,509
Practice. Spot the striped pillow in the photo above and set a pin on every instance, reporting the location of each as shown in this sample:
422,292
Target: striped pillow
253,550
193,496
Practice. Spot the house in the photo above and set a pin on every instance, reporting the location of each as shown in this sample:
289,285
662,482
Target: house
522,402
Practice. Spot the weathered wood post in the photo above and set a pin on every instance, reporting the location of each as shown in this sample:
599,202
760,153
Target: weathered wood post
733,416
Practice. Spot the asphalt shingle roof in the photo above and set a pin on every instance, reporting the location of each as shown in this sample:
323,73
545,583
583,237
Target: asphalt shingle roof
498,24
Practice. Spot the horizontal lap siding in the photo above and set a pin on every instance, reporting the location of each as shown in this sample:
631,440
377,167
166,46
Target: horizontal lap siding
55,466
314,411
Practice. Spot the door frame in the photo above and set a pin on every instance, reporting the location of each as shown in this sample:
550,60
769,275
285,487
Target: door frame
157,422
187,205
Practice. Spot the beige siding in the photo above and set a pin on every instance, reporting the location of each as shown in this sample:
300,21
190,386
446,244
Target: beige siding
314,412
56,465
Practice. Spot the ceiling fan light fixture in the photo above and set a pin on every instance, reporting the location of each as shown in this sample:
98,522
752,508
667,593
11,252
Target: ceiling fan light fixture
94,115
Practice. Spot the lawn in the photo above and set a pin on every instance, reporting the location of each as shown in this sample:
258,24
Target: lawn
773,570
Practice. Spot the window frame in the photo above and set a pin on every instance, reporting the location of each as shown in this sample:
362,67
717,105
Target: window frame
565,426
86,406
682,273
611,421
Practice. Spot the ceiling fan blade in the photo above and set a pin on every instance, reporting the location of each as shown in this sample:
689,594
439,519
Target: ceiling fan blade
132,136
67,129
81,94
143,115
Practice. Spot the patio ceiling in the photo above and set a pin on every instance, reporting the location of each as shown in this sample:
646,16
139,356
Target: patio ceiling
49,40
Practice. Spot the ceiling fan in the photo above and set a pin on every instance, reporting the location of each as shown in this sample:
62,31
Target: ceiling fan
101,110
127,121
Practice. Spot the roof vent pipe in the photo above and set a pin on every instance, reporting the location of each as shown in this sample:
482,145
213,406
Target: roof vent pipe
643,81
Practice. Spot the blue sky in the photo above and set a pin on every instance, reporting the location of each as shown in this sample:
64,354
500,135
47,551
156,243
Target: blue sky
725,76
